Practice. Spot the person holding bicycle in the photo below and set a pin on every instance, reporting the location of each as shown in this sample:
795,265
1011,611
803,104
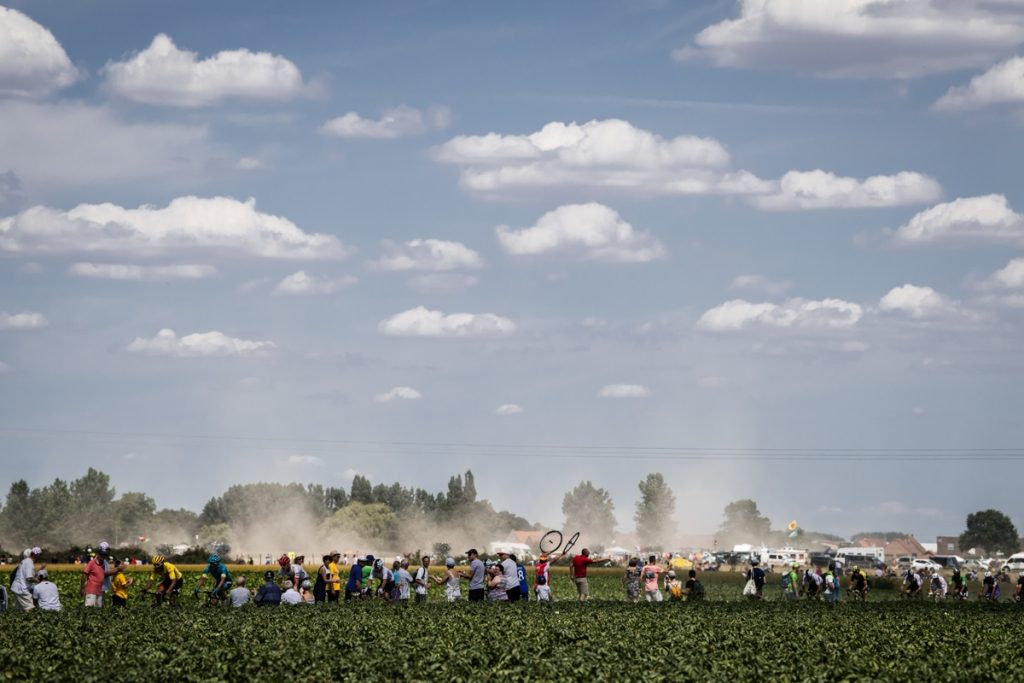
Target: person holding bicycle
168,578
221,577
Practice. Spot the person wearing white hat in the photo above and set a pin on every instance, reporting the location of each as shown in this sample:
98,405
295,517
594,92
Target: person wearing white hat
25,579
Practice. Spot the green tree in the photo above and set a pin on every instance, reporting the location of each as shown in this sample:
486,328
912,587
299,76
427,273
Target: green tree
362,491
991,530
655,511
590,510
133,516
744,523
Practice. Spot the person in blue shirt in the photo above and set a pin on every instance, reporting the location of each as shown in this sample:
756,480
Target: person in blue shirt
524,584
221,576
269,594
354,586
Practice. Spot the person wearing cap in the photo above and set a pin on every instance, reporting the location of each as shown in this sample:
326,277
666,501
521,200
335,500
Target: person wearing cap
354,585
403,582
450,580
477,580
334,585
541,570
94,576
511,573
673,586
756,574
269,594
422,579
45,593
25,578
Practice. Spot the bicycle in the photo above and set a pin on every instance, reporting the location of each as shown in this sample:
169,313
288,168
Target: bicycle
212,597
552,541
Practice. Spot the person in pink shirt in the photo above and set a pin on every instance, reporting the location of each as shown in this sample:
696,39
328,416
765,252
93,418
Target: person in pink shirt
650,575
94,576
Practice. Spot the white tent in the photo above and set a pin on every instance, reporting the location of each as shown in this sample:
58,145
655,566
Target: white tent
519,549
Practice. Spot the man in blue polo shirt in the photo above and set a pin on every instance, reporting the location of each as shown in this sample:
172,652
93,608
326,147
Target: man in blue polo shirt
354,586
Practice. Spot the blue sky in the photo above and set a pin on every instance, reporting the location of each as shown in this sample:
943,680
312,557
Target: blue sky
714,225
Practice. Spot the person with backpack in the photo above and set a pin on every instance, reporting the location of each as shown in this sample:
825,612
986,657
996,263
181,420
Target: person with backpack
23,578
694,589
674,587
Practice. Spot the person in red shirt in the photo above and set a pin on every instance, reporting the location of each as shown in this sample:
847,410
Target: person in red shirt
579,573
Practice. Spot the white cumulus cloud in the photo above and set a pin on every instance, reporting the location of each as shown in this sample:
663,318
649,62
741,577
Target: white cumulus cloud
987,218
739,314
26,320
593,231
428,254
422,322
398,394
125,271
861,38
611,154
624,391
396,122
1002,84
198,344
916,302
824,190
32,62
186,224
1011,276
163,74
301,283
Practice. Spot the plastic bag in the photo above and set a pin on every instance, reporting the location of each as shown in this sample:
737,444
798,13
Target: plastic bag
750,588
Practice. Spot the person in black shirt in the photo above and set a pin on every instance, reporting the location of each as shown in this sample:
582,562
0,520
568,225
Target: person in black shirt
757,574
693,590
269,595
1019,597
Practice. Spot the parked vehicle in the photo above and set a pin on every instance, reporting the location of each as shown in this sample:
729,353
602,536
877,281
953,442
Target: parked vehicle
844,554
948,561
924,563
1014,563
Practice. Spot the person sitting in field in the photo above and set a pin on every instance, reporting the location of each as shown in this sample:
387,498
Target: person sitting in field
45,593
542,590
631,580
269,594
290,595
239,595
306,592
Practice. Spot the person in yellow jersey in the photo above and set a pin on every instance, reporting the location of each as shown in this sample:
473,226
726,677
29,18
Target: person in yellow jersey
334,585
119,584
169,579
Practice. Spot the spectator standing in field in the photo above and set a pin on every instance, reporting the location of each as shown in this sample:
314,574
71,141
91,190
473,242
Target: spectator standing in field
828,585
511,574
579,574
239,595
354,585
542,589
476,576
694,589
297,571
290,595
25,579
631,580
269,594
651,572
45,593
368,576
334,587
674,587
450,580
94,576
324,578
119,584
524,583
542,569
496,591
403,582
791,583
422,579
756,574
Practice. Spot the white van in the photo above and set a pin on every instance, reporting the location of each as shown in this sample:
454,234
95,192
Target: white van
1014,563
878,554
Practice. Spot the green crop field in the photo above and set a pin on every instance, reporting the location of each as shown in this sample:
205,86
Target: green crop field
722,638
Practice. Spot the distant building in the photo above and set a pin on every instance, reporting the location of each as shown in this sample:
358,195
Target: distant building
948,545
904,547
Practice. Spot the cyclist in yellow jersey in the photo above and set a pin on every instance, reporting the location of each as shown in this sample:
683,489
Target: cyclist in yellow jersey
169,577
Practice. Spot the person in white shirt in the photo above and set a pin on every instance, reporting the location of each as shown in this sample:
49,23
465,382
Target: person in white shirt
403,580
24,579
421,579
290,595
46,594
511,572
542,589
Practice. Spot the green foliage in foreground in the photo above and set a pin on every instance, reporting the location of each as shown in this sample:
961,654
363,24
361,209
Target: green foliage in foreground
723,638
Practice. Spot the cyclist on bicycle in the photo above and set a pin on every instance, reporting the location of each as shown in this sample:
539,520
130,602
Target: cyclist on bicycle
858,583
168,579
989,588
937,587
911,584
221,577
